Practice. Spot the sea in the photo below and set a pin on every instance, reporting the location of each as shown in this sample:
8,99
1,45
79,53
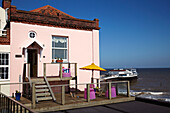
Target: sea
152,83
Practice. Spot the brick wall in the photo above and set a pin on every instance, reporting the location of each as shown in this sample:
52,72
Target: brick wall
5,40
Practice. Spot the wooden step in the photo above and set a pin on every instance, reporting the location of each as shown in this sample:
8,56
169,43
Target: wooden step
41,86
41,90
37,79
40,83
43,94
44,98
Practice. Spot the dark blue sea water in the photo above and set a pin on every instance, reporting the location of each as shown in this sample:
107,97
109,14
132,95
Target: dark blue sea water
151,83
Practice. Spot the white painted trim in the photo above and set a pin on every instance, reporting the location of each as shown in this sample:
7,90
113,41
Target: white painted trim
32,32
60,35
49,27
5,48
40,55
28,44
67,38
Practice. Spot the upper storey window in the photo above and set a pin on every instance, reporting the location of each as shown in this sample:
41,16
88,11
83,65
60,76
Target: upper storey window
60,47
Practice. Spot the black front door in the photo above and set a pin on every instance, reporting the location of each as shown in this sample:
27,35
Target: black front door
32,60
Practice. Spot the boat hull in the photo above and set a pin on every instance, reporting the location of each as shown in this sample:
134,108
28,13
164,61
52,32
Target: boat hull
120,74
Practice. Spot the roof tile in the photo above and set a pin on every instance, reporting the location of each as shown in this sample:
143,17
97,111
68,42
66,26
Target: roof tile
51,11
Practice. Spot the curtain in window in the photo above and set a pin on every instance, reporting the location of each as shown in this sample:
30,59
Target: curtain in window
59,47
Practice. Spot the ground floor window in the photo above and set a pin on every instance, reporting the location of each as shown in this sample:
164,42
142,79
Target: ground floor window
4,66
59,47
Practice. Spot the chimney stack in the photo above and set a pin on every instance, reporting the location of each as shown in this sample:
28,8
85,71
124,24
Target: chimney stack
6,4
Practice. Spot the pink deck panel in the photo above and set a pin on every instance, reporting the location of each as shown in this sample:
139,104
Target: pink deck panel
113,92
92,93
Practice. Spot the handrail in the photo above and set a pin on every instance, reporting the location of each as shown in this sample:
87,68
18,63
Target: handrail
1,32
29,75
61,63
15,102
60,70
64,84
28,72
90,83
15,83
48,85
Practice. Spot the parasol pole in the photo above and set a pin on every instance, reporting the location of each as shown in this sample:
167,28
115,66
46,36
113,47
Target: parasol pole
92,76
92,57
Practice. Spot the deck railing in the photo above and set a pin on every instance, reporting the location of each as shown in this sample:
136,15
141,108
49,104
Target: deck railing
9,105
67,64
121,87
64,92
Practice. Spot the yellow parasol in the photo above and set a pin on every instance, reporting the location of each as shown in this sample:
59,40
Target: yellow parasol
93,67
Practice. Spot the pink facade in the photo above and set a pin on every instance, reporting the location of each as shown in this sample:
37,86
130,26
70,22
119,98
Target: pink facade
39,36
83,45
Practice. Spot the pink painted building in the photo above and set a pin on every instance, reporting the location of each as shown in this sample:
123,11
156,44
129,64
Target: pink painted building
39,36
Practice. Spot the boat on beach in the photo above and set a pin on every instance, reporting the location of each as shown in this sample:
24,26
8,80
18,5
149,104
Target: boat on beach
120,74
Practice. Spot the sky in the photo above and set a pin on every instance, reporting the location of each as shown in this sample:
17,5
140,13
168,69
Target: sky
133,34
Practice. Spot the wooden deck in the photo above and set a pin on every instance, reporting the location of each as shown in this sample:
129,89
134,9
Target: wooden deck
73,102
57,78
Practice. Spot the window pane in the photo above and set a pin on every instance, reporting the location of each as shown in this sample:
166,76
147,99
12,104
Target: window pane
6,76
7,56
60,42
6,62
53,54
65,56
1,70
2,62
2,73
3,56
53,44
61,53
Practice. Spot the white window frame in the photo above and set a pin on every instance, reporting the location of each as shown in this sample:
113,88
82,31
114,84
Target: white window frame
6,66
64,60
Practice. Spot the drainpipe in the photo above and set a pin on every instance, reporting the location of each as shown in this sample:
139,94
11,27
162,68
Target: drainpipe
6,14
